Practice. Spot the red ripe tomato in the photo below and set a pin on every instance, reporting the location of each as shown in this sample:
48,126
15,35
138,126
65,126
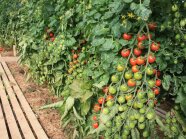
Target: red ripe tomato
105,89
137,52
52,39
135,68
1,49
158,82
154,71
152,26
158,73
127,36
140,45
51,34
97,107
155,101
72,50
101,137
101,100
125,53
141,38
109,97
151,59
156,91
155,47
95,125
94,118
131,83
140,60
133,61
75,56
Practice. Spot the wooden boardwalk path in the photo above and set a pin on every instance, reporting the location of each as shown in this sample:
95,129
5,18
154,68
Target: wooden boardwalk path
17,120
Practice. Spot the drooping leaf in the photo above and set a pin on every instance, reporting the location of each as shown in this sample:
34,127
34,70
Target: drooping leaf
53,105
76,114
69,103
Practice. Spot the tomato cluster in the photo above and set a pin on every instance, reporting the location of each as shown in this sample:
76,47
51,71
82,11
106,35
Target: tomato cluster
171,129
133,88
49,35
76,66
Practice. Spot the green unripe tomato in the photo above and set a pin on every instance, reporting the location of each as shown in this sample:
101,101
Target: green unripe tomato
150,115
140,95
138,76
149,71
128,75
177,14
182,23
120,68
142,110
120,108
174,8
109,124
145,134
124,88
141,119
110,103
121,99
151,83
114,78
141,126
151,94
112,90
105,111
178,36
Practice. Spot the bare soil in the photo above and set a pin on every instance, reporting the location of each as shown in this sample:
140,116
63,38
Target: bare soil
38,96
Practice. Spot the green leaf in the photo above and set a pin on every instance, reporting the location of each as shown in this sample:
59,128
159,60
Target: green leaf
69,103
97,42
86,96
123,42
85,107
128,1
100,30
146,3
135,133
108,45
76,114
99,85
53,105
166,81
143,12
133,6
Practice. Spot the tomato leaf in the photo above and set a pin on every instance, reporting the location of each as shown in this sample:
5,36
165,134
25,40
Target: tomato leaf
76,114
166,81
85,107
128,1
107,45
69,103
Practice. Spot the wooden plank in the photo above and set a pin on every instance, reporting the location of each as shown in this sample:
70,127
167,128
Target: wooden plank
9,59
3,129
25,128
40,133
12,125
